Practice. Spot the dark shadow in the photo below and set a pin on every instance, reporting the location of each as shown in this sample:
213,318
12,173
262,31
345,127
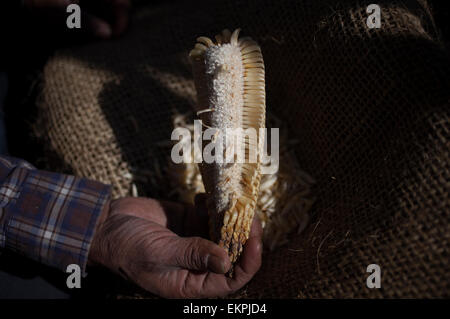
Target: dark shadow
369,108
22,278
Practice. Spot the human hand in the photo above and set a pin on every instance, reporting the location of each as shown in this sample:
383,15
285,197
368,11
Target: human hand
149,242
99,18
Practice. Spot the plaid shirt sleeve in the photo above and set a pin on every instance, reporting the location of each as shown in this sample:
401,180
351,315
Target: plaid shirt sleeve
48,217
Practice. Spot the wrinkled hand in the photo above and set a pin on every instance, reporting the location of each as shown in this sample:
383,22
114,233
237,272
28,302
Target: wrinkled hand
99,18
149,242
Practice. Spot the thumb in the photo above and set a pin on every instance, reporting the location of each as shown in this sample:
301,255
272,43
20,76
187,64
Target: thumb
96,26
196,253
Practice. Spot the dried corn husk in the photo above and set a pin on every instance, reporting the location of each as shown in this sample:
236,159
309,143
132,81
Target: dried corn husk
285,197
229,78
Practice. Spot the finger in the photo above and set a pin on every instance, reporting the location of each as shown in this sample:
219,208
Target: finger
204,285
121,9
256,228
95,26
199,254
250,260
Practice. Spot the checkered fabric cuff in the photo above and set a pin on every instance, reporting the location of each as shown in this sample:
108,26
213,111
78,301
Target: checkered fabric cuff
48,217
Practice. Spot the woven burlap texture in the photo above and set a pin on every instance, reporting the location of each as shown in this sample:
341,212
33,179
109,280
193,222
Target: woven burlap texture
370,108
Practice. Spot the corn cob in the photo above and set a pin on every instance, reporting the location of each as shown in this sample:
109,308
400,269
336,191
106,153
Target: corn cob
229,78
285,196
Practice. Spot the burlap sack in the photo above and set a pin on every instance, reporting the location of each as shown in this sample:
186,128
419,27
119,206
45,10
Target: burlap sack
369,106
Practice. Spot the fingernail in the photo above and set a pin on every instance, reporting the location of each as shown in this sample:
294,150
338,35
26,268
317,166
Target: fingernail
217,264
103,31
